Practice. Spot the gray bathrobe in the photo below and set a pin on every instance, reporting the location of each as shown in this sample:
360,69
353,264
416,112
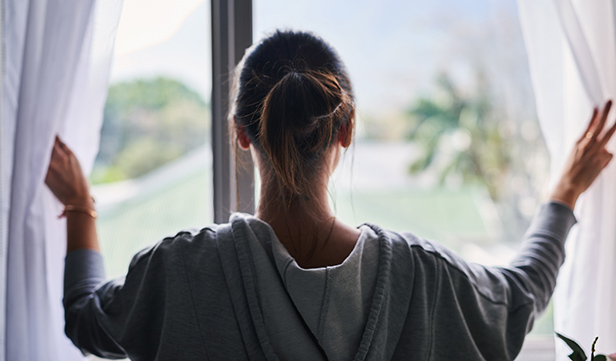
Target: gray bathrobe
233,292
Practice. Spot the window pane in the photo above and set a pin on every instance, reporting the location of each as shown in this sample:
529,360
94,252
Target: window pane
152,176
447,143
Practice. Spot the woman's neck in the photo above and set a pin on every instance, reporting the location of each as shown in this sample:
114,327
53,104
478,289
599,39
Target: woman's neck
290,214
306,226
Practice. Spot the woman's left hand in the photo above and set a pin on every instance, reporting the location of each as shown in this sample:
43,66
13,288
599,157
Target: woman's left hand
65,177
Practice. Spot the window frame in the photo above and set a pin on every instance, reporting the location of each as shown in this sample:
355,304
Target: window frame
233,185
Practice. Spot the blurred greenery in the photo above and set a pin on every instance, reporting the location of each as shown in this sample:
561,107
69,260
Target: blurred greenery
468,134
147,123
464,129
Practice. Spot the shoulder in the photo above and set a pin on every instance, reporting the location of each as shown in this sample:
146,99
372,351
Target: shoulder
428,248
415,244
439,262
185,242
193,247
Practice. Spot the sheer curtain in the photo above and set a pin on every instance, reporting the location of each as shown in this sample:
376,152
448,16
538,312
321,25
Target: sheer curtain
57,57
571,46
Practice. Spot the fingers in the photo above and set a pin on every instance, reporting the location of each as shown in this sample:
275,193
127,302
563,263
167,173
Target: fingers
59,158
595,128
53,171
598,128
60,146
591,124
608,159
607,136
60,142
604,113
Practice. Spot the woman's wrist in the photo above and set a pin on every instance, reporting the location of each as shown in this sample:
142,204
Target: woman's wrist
81,229
81,204
85,200
567,195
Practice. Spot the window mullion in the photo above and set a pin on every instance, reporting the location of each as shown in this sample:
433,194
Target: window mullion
231,35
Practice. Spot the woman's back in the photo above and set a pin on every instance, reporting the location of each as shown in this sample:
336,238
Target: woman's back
233,292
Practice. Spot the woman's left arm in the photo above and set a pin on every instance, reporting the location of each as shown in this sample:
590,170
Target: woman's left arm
68,183
92,328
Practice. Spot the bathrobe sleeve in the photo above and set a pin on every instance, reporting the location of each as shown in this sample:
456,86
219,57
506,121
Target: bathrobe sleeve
125,317
484,313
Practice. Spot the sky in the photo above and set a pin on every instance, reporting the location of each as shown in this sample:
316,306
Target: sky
393,49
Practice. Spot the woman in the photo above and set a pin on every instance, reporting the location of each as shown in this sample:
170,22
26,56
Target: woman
292,281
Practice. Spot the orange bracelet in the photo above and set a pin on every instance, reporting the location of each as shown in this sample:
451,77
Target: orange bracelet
71,208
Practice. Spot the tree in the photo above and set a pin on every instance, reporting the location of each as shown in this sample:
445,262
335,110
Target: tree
148,123
472,138
464,132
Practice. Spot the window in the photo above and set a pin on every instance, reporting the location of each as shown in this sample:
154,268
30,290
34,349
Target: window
153,174
447,143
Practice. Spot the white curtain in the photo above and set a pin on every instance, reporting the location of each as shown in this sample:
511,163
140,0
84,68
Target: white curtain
57,56
571,46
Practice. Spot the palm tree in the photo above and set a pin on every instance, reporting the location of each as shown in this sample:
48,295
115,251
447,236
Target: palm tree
461,135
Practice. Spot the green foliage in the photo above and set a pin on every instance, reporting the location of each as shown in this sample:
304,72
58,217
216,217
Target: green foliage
145,154
578,353
101,174
464,128
592,354
148,123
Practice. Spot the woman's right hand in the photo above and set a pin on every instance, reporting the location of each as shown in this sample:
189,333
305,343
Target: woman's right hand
587,159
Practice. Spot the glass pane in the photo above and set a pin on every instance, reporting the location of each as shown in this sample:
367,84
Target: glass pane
448,144
152,176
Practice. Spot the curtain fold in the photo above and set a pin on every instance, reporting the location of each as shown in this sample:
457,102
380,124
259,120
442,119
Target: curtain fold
571,47
56,66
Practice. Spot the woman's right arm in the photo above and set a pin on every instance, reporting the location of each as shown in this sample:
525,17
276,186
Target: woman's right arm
496,307
532,275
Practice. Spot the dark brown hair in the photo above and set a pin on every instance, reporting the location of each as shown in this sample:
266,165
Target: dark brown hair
292,97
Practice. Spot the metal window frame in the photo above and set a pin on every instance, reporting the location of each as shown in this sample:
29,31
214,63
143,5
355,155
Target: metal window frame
233,181
3,215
